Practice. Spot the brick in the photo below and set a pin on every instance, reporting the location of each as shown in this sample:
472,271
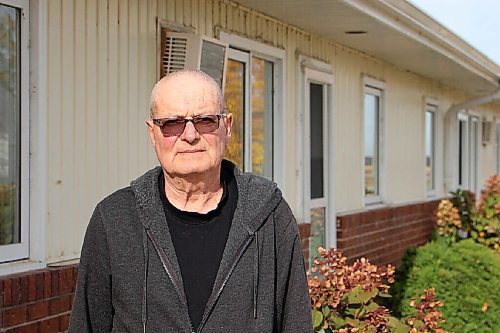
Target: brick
62,281
16,291
49,326
24,289
7,292
59,305
32,287
54,279
30,328
47,285
37,310
39,286
14,316
64,322
1,295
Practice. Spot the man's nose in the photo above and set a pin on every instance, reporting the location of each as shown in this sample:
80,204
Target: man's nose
190,133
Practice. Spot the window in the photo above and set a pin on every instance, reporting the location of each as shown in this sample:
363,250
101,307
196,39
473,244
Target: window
468,152
14,177
498,146
430,149
372,117
250,93
317,103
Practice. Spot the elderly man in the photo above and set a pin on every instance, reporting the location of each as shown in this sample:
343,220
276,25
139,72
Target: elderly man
194,245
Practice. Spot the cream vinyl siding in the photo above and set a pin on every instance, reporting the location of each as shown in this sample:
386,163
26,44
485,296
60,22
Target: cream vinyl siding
102,64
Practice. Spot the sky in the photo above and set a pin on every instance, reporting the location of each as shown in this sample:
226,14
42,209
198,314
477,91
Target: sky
475,21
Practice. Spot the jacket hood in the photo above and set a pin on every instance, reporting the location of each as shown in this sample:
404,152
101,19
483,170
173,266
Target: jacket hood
257,196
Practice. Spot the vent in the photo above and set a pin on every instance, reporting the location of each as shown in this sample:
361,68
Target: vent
192,51
486,132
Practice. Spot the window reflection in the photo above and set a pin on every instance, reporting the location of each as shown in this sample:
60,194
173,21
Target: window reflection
429,150
371,132
9,125
317,231
234,96
262,117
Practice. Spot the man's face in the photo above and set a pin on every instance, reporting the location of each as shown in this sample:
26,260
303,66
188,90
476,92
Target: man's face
190,152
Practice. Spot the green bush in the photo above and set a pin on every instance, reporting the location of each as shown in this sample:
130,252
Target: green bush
466,278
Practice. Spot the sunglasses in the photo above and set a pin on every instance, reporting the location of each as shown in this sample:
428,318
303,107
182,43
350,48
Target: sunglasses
202,123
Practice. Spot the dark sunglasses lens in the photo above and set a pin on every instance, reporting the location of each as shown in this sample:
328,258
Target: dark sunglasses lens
173,127
206,124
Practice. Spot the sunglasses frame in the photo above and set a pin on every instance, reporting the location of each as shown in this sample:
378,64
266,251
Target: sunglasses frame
160,122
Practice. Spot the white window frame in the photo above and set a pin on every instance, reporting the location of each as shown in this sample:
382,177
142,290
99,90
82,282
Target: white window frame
474,185
497,133
374,87
314,71
431,105
467,183
20,251
277,56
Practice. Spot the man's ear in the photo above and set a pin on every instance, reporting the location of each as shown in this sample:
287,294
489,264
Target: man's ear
229,126
151,128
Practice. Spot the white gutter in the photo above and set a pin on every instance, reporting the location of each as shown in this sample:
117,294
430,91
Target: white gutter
451,136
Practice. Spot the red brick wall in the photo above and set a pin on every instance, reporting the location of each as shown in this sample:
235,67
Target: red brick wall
37,301
381,235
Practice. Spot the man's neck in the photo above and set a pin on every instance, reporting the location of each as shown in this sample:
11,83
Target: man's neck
196,193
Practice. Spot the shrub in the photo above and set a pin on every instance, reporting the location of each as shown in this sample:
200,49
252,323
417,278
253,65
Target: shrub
465,276
346,298
486,222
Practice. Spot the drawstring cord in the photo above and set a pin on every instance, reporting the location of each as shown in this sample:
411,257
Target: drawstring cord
145,279
255,275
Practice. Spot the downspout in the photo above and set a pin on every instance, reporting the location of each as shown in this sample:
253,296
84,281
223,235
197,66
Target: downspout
451,137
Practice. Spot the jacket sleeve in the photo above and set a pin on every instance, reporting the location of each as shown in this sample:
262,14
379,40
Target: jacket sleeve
294,304
92,307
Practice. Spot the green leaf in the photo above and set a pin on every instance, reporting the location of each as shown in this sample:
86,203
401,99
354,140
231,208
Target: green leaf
326,311
358,296
337,321
372,306
418,324
317,318
397,326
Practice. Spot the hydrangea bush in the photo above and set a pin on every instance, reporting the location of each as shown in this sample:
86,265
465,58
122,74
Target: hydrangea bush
346,298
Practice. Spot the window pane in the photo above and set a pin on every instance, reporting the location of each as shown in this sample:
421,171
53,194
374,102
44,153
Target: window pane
371,144
262,117
461,151
234,96
317,231
429,150
498,148
473,154
9,125
316,127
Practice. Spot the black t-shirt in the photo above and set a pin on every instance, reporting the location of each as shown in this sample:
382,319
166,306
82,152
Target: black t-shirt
199,241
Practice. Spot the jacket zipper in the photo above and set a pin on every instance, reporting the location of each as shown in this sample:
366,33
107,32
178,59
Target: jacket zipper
168,269
226,278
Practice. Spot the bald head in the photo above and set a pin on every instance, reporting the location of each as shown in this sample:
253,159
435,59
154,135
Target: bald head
175,80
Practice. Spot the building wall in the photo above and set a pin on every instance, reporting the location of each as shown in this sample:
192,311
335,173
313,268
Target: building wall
37,301
102,64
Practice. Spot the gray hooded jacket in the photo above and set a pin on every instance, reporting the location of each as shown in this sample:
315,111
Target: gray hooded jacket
129,279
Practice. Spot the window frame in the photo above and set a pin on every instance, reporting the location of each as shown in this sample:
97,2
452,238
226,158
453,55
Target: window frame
277,56
374,87
326,80
431,106
21,250
468,118
497,133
